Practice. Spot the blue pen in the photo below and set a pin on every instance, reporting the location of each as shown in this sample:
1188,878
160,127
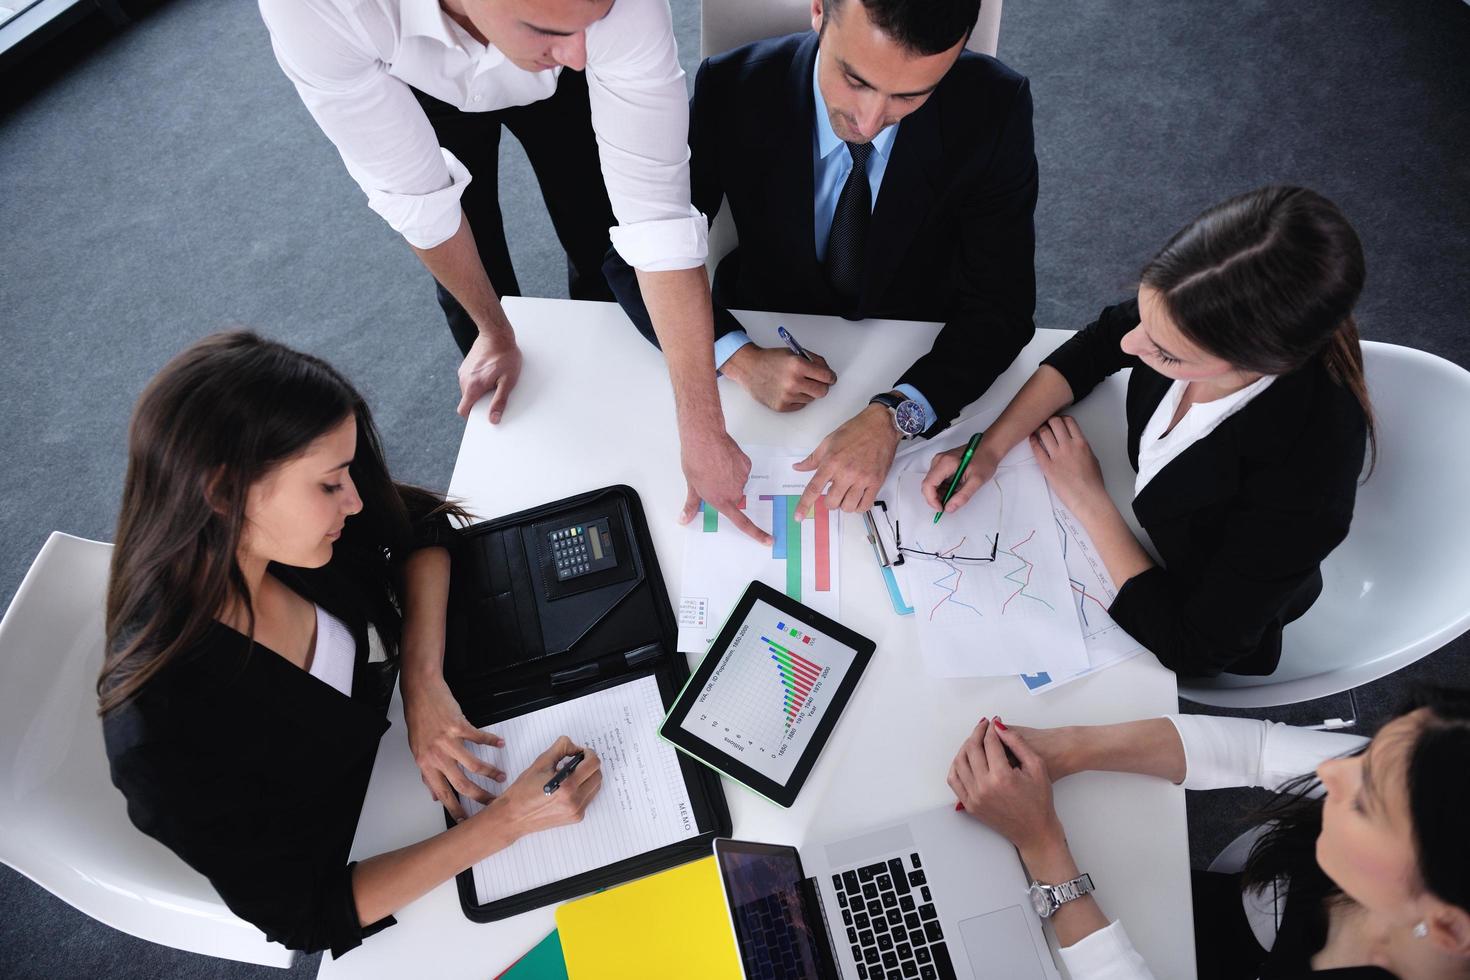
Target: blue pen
796,348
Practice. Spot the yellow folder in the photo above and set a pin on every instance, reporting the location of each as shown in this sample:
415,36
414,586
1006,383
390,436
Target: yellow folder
668,926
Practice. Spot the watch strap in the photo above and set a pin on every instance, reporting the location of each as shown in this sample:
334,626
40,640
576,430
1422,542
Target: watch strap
1069,891
1060,894
888,399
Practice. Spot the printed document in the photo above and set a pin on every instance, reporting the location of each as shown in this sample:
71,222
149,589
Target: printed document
643,804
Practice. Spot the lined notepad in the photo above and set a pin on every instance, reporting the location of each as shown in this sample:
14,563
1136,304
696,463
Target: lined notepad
643,804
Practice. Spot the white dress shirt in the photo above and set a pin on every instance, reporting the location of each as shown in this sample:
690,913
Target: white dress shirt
1156,450
353,61
1218,752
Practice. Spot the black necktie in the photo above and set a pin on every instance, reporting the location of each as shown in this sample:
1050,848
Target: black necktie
849,234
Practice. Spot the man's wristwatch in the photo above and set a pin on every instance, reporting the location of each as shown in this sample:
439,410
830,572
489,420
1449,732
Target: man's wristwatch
1046,899
908,415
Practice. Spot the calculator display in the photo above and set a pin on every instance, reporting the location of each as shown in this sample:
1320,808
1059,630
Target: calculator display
580,549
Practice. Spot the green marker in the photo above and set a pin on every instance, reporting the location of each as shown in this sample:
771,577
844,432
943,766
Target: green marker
958,474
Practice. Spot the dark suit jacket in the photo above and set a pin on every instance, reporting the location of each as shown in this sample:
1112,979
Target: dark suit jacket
254,772
951,237
1242,519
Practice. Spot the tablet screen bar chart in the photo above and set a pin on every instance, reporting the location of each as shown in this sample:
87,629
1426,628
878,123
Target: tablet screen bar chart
798,676
768,693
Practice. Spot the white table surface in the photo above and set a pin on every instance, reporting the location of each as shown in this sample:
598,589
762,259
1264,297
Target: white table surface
594,408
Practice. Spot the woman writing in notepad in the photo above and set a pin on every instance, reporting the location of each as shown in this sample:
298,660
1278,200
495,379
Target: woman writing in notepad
1248,417
260,539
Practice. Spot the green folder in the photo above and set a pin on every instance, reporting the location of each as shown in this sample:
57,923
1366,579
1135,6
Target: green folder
543,962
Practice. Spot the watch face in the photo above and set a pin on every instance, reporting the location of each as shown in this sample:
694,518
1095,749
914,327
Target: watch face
909,416
1040,901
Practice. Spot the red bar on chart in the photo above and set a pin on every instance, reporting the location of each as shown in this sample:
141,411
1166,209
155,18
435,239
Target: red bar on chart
823,519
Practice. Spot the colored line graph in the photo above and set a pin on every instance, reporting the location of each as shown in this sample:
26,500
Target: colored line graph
1079,587
1026,566
957,574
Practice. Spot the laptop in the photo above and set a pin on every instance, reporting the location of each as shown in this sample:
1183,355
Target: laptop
935,897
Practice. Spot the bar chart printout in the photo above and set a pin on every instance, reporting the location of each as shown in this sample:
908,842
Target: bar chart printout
720,561
769,691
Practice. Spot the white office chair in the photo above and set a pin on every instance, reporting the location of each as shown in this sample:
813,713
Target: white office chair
726,24
62,823
1398,588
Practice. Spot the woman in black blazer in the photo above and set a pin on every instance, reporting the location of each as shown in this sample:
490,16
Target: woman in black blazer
260,537
1243,320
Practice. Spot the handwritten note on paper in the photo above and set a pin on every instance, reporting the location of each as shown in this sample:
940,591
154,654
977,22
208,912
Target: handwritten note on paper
643,804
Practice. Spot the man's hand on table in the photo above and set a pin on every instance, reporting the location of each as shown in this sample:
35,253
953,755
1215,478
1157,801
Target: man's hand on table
492,365
437,732
854,459
779,379
716,470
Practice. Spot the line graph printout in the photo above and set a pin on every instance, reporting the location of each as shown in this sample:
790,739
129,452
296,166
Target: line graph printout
769,691
1013,615
720,560
1092,593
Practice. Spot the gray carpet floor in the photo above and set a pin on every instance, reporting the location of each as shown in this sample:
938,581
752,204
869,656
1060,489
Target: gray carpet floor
163,182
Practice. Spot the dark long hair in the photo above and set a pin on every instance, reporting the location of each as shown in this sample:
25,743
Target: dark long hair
217,418
1437,777
1268,281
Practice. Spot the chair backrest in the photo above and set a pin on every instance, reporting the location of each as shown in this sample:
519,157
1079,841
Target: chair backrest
62,823
1395,589
727,24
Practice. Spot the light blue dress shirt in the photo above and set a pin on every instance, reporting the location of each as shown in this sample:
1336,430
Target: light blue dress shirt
831,163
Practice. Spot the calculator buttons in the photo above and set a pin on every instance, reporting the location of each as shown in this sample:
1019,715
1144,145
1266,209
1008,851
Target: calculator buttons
580,549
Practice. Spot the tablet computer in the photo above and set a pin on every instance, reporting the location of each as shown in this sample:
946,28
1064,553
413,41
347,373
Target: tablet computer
762,703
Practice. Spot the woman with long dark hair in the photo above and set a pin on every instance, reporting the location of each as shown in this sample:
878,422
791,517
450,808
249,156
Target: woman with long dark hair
261,548
1248,417
1361,872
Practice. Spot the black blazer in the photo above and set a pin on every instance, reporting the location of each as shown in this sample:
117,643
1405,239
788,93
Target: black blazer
254,772
1242,519
951,239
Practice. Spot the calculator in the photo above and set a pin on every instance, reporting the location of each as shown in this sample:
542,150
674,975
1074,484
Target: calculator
581,549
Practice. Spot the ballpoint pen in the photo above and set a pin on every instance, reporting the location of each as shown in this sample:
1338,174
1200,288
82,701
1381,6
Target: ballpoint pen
958,474
796,348
563,773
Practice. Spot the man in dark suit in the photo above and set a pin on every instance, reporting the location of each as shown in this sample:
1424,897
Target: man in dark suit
784,130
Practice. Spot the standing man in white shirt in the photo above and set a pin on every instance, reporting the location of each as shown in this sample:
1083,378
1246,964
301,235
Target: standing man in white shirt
367,70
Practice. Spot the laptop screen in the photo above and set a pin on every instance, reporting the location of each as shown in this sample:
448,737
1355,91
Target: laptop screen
779,930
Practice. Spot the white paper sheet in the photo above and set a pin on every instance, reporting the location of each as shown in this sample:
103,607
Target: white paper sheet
1013,615
643,804
720,561
1092,592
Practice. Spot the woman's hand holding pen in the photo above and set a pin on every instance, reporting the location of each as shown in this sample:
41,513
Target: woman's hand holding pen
525,807
942,470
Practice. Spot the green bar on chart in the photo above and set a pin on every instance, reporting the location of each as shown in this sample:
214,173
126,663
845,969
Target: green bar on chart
793,550
711,518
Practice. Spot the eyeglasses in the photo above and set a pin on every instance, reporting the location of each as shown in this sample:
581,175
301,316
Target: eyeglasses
894,528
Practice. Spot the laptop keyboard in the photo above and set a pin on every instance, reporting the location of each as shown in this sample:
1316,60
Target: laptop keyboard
771,948
891,924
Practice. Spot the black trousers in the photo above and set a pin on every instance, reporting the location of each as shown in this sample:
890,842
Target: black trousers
557,136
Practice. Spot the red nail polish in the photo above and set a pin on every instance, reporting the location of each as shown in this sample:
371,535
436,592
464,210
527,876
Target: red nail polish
1000,724
958,807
